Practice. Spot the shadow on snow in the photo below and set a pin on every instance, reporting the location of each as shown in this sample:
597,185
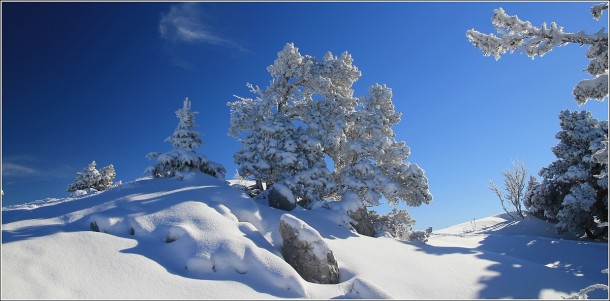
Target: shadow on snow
524,266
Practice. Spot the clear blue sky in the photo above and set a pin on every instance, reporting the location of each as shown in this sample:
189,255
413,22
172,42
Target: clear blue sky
101,81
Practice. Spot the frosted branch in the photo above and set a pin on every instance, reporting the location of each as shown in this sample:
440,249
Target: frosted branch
596,88
582,294
598,9
516,34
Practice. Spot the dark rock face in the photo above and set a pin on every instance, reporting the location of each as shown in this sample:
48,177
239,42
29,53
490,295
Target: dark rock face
362,222
311,258
281,197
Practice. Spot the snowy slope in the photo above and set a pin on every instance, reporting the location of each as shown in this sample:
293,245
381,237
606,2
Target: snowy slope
200,238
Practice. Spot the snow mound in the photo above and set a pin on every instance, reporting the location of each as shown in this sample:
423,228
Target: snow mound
199,238
503,224
203,240
362,289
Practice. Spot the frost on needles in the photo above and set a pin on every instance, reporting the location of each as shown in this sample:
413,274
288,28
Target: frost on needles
516,34
91,178
183,158
308,116
574,188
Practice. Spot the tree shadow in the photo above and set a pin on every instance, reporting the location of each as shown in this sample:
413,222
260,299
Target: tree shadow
30,232
522,270
44,211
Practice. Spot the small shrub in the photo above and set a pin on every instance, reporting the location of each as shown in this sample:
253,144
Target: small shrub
397,223
94,227
420,235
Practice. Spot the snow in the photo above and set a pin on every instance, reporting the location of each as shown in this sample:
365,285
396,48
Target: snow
200,238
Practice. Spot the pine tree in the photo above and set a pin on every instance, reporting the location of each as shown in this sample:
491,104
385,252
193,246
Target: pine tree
373,162
308,113
183,158
87,178
532,185
107,177
285,131
185,137
574,188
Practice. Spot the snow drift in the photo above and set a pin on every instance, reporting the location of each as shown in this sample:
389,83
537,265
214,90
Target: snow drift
201,238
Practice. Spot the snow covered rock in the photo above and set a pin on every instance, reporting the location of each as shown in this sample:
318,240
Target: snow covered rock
281,197
305,250
362,221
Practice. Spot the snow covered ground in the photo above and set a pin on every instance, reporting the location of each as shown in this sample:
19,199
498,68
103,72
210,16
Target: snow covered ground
200,238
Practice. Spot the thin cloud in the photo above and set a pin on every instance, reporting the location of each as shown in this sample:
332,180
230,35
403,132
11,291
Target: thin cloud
23,167
185,23
15,170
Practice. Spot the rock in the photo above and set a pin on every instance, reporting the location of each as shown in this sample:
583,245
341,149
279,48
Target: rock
252,190
253,193
305,250
362,221
281,197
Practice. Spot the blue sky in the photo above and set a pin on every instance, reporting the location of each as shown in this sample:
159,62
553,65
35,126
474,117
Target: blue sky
101,81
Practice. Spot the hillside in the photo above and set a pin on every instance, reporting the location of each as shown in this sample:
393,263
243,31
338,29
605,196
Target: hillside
200,238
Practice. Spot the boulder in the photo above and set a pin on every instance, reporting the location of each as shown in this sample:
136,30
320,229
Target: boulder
362,222
281,197
305,250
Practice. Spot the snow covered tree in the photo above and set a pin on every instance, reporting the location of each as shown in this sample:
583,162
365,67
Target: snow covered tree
397,223
308,112
107,175
574,189
372,163
90,177
281,152
87,178
183,158
287,130
522,36
532,185
185,137
514,185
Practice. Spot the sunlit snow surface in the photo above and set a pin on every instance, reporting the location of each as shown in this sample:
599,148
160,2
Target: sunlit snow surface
200,238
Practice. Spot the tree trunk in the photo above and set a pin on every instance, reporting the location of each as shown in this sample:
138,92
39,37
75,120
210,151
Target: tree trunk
259,185
268,184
